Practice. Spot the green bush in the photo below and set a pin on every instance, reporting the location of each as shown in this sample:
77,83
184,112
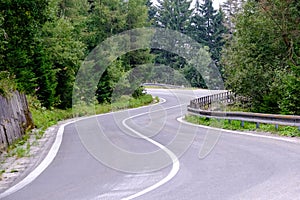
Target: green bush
7,83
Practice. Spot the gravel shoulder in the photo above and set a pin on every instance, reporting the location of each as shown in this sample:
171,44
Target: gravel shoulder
15,169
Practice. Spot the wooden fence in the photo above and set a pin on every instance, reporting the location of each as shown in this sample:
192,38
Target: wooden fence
15,118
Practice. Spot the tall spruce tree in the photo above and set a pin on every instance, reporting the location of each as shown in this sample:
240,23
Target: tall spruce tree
212,29
206,28
175,15
151,10
231,8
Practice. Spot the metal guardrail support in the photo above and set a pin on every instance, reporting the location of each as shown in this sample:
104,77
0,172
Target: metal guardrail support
197,106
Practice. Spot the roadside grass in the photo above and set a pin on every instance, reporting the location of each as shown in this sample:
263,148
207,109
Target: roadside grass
20,148
45,118
289,131
2,171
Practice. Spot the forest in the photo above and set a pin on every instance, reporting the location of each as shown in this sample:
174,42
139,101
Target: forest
255,44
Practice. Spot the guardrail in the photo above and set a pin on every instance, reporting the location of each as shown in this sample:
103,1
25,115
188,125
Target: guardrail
206,101
196,107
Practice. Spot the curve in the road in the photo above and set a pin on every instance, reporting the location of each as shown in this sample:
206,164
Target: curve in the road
175,161
58,140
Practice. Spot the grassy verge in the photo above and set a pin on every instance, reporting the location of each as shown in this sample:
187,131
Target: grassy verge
248,126
44,118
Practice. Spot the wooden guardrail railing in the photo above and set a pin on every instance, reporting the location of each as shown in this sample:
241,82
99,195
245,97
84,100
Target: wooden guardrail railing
197,107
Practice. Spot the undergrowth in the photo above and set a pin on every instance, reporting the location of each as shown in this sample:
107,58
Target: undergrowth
248,126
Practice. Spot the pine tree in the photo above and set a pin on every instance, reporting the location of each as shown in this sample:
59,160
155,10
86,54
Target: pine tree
218,32
174,14
231,8
208,28
152,10
197,30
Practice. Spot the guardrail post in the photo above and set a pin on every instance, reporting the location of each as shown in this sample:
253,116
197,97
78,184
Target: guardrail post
276,126
242,124
257,125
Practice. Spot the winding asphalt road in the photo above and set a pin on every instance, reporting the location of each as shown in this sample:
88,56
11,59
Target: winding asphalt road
230,165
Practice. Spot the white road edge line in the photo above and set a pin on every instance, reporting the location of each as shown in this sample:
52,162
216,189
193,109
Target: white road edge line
53,152
42,166
175,166
181,119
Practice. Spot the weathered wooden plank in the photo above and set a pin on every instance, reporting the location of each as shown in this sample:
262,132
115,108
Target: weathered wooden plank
15,117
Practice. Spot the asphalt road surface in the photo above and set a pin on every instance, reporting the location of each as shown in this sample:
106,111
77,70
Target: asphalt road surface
154,156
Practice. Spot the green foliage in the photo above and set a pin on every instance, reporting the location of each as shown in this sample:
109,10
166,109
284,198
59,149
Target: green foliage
248,126
151,11
109,81
114,79
290,101
7,83
45,118
208,28
231,9
202,23
107,18
21,22
3,40
139,92
263,56
174,15
20,148
64,55
43,49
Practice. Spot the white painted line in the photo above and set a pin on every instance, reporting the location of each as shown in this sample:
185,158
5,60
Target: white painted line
180,119
42,166
53,152
175,167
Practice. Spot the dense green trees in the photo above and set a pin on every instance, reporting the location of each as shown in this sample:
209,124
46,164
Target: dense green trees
43,43
121,16
201,22
231,8
208,28
23,55
262,60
